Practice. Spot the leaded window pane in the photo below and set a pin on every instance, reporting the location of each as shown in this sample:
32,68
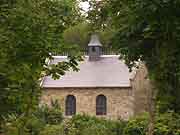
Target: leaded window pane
101,105
70,105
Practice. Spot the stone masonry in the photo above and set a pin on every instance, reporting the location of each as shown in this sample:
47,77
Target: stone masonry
120,101
140,86
106,75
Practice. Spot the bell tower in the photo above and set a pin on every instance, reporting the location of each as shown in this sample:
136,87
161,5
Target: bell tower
94,48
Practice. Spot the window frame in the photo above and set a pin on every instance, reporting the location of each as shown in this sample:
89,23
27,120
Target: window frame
101,105
70,105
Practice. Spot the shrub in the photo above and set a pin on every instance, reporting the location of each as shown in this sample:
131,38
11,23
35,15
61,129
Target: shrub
167,124
50,114
44,119
137,125
36,124
52,130
22,125
88,125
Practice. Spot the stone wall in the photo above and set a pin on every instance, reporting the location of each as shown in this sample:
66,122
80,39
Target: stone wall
140,85
119,100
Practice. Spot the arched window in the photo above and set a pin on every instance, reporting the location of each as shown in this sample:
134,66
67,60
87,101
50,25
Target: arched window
101,106
70,105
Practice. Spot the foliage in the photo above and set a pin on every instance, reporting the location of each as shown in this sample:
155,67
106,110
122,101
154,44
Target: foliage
80,35
149,31
137,125
52,130
165,124
31,30
97,15
45,120
50,115
21,125
88,125
77,35
106,36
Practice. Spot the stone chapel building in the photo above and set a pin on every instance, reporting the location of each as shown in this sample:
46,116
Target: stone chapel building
103,87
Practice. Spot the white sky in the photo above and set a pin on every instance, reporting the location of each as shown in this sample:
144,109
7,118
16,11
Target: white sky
84,6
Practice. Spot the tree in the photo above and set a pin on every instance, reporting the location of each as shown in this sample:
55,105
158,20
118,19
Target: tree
77,35
149,31
151,34
80,35
31,30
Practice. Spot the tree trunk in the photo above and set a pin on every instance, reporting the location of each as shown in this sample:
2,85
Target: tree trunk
151,107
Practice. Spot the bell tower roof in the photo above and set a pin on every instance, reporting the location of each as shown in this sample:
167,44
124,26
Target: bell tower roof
94,41
94,48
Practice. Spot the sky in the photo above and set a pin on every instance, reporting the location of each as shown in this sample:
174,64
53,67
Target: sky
84,6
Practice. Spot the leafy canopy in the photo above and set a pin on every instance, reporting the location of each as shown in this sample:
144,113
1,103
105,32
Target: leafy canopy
149,31
31,30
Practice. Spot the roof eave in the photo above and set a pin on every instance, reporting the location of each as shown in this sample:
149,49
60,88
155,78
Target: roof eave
82,87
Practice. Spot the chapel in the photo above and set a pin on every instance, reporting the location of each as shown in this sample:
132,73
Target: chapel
103,87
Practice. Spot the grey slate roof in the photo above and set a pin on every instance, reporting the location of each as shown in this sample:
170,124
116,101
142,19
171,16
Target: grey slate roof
94,41
109,71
